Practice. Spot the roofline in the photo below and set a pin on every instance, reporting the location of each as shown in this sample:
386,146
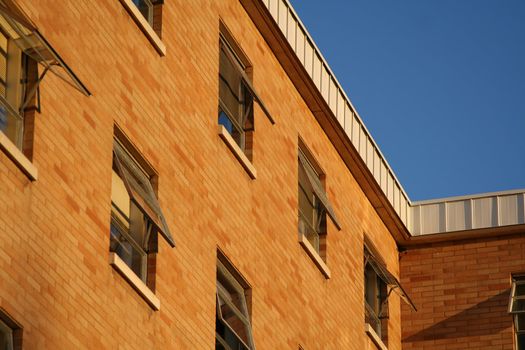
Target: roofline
469,196
294,48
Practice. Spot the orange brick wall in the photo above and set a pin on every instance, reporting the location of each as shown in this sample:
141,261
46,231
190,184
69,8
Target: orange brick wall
462,292
54,271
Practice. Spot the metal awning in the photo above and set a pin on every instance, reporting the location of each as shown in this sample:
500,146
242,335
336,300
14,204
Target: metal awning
27,37
386,276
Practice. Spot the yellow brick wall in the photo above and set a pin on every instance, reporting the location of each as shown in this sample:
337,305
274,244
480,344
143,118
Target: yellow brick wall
54,271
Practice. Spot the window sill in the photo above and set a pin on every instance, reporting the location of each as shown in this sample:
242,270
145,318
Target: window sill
237,152
18,157
136,283
374,337
144,26
315,256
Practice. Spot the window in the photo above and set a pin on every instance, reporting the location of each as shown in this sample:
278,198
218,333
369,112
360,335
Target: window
6,337
146,9
379,284
233,329
147,15
236,94
152,12
235,99
136,216
10,333
313,204
517,309
376,302
13,82
25,59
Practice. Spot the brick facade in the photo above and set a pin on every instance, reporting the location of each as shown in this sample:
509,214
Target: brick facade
462,291
56,279
57,283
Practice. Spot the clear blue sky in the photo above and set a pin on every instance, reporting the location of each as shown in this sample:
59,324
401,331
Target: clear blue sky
440,84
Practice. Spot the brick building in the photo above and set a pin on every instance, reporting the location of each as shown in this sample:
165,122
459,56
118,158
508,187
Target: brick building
191,175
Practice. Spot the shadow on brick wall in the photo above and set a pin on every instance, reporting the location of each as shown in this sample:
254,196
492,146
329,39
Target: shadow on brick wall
487,317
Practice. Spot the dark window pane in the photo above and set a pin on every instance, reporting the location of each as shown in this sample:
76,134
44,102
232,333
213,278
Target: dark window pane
126,249
520,289
145,7
519,321
520,340
518,305
230,82
6,337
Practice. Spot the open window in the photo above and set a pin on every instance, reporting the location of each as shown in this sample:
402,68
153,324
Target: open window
10,333
233,330
313,204
237,94
136,217
379,285
517,309
152,12
25,59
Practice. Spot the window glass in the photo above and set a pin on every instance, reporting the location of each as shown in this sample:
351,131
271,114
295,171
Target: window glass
235,98
233,328
6,337
146,9
312,213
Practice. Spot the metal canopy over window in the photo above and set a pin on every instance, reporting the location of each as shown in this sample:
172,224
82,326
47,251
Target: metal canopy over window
140,190
33,44
318,188
242,76
517,304
386,276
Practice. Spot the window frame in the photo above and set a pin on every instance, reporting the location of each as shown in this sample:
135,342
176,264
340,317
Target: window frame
33,51
244,124
14,328
514,308
133,178
153,30
226,271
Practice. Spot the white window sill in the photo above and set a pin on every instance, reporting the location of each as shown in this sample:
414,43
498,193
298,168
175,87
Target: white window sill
374,337
310,250
144,26
237,152
18,157
146,293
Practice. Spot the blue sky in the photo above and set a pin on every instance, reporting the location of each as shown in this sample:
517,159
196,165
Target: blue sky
440,84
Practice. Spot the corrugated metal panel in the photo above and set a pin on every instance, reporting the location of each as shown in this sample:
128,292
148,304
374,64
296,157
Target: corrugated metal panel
283,16
356,126
432,218
404,208
370,155
377,166
349,117
332,96
362,143
390,187
292,26
510,208
317,69
274,8
396,199
300,51
384,173
341,103
325,83
485,213
459,215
